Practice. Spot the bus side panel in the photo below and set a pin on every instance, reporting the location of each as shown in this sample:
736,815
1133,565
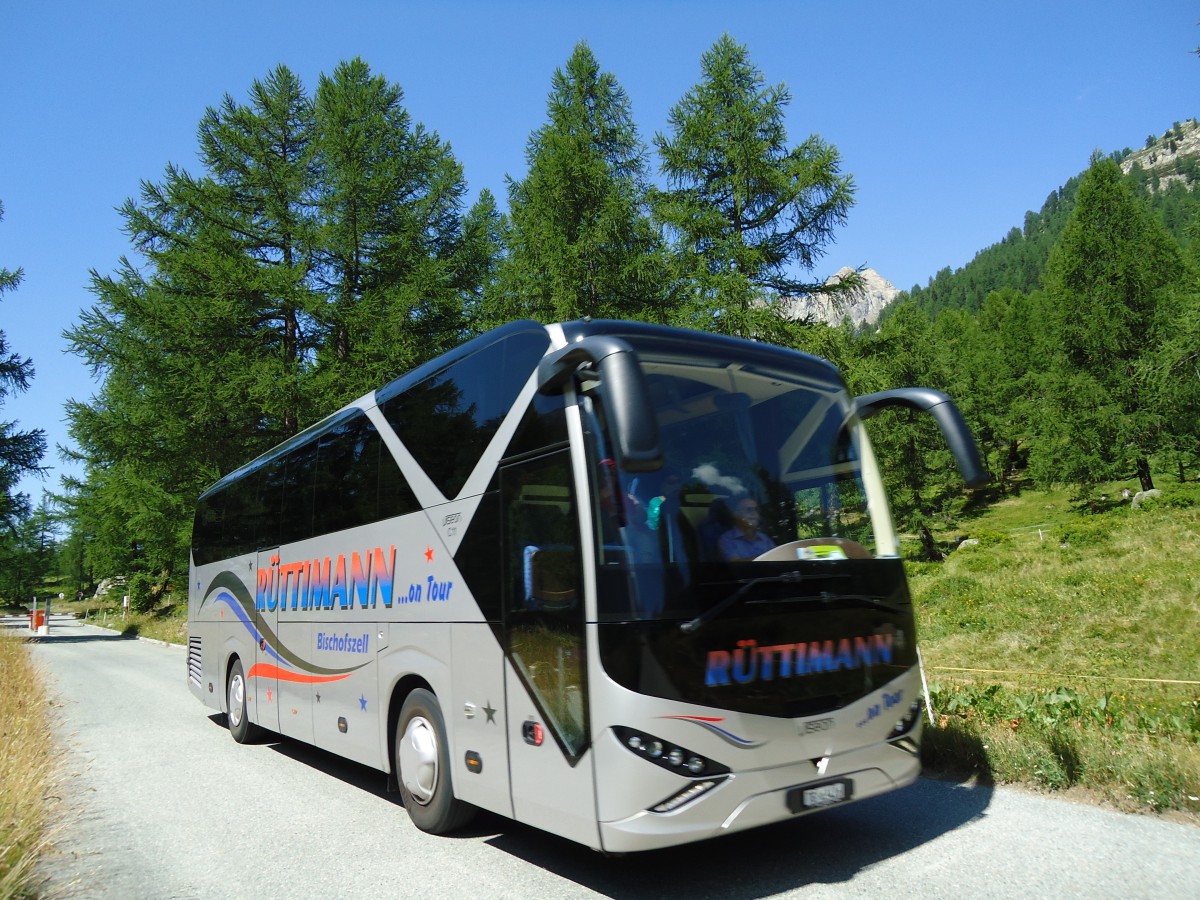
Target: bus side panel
548,791
477,719
346,707
203,663
295,699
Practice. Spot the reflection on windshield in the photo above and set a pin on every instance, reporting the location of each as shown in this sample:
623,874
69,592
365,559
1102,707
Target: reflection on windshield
759,468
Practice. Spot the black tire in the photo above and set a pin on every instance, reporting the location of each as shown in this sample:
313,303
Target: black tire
240,727
422,761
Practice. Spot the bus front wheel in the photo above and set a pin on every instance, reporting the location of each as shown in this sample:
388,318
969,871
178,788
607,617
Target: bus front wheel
423,766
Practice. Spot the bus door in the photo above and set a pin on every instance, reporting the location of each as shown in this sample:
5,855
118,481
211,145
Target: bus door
545,684
293,692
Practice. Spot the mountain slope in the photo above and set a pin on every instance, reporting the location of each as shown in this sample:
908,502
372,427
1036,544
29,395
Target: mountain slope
1164,172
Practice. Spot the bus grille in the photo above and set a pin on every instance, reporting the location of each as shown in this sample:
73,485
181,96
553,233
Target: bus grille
195,659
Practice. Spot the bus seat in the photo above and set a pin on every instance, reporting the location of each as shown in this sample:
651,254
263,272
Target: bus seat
551,574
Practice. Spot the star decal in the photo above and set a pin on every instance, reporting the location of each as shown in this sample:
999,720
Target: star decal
362,702
428,554
491,713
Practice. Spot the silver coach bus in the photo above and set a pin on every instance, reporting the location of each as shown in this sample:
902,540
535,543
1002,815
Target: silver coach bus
633,585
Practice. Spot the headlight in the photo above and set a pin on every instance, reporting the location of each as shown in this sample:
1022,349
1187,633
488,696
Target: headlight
906,723
670,756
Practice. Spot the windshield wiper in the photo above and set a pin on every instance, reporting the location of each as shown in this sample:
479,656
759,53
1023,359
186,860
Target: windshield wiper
713,611
860,600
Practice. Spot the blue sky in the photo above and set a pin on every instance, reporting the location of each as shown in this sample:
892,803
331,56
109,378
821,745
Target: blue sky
954,118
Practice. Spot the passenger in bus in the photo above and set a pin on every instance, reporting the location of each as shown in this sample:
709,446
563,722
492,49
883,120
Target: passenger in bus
718,521
663,520
744,540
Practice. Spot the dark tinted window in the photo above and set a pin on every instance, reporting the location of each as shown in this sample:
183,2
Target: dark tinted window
479,555
447,420
242,516
269,509
207,529
543,425
343,478
297,520
347,477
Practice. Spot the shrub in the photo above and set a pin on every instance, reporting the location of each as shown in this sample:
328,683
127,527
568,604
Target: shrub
988,539
1179,498
1085,532
141,593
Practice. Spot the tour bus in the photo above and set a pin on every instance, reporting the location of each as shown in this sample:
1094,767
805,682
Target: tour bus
632,585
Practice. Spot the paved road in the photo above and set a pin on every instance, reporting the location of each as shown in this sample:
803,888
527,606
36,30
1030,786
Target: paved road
166,805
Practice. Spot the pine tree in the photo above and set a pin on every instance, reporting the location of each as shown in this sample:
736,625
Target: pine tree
388,202
747,211
1171,370
480,256
917,467
313,258
579,240
1106,279
27,550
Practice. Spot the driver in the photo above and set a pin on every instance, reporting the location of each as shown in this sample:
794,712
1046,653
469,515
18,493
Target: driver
744,540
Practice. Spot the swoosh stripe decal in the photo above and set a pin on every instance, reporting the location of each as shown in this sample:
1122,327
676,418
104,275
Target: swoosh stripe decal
727,736
228,588
223,596
266,670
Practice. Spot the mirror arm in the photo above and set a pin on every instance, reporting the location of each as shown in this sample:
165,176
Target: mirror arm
953,427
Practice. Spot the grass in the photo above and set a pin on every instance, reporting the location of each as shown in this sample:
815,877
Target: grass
1061,656
26,771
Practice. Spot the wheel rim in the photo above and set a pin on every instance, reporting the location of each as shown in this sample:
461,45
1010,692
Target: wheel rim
237,699
419,759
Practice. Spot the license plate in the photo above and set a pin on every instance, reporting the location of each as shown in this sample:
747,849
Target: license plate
818,796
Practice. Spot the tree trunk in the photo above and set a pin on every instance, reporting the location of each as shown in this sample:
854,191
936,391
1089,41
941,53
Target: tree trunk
929,545
1143,473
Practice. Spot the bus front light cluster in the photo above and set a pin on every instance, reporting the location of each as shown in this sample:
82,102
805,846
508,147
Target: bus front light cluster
687,795
667,755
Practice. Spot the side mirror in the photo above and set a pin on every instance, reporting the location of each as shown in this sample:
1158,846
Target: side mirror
953,427
622,394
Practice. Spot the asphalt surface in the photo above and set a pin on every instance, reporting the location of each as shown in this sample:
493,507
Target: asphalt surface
159,802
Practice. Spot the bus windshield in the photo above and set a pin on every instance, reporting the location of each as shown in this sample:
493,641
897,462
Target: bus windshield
761,473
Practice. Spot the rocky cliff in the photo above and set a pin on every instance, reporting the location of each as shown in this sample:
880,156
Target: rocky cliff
1165,158
877,293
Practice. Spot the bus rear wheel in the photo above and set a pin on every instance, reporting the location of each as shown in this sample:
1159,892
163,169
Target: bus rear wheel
239,713
422,762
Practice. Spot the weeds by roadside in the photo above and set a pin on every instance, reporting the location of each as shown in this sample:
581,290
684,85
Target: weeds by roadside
165,622
26,771
1137,756
1066,655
